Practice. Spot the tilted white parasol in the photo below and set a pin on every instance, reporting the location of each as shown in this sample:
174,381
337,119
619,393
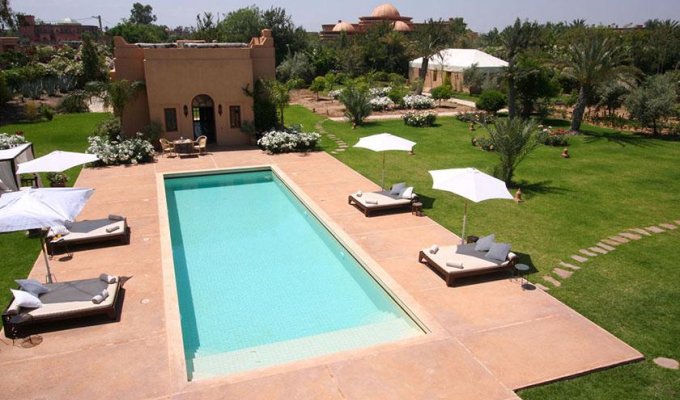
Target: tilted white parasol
56,161
471,184
385,142
41,209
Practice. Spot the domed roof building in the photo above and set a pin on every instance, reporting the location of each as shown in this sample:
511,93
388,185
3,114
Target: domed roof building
384,13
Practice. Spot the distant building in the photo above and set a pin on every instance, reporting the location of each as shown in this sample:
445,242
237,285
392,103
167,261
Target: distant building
448,66
9,43
194,88
58,33
384,13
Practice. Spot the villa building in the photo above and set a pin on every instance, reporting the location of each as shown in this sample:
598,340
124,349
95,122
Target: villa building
9,43
450,64
194,88
384,13
61,32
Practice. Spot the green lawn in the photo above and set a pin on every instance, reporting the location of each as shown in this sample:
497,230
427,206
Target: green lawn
613,181
65,132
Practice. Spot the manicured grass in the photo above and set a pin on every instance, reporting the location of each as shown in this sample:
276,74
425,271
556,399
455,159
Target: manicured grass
613,181
65,132
465,96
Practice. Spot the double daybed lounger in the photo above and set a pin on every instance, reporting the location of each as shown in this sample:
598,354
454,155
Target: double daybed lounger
92,231
64,300
453,262
380,201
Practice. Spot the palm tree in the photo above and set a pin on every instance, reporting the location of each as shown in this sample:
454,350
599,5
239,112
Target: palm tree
513,139
431,38
357,106
515,39
591,61
116,94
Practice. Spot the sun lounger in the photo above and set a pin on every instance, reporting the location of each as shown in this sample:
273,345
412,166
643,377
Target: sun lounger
463,261
65,300
92,231
379,201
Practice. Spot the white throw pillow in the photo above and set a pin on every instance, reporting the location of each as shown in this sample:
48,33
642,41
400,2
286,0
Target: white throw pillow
397,188
25,299
32,286
498,251
58,230
484,244
407,193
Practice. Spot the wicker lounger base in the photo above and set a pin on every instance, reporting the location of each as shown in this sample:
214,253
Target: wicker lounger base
123,237
449,277
368,210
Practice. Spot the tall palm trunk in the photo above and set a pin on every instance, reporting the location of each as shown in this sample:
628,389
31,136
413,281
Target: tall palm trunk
512,95
422,74
580,108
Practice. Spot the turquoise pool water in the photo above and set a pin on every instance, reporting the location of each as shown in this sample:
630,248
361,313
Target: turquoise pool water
262,282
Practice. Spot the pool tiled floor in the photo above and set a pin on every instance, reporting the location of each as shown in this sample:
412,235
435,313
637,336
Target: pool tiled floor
488,337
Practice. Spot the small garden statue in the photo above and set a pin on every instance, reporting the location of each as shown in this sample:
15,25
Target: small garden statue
471,127
518,196
565,153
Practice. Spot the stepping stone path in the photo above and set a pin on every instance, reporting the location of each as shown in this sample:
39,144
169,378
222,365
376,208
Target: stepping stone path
543,288
552,280
619,239
598,250
564,274
570,266
677,222
667,363
342,146
655,229
606,246
579,258
668,226
587,252
640,231
630,235
611,242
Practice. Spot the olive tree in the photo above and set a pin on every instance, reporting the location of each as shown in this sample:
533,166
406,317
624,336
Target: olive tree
653,101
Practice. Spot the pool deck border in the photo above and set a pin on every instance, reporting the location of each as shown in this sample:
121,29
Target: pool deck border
488,336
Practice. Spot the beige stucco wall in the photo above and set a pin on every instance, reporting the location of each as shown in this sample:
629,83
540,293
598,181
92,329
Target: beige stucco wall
174,76
437,78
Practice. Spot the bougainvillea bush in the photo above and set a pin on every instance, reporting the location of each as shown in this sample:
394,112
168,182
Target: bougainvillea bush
121,151
418,102
419,118
381,103
288,141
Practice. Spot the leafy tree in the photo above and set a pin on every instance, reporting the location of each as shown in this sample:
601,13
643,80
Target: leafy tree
663,44
207,28
473,78
323,58
264,108
7,18
142,14
533,82
318,85
139,33
611,95
356,102
653,101
429,39
491,101
383,49
443,92
287,37
93,64
279,93
513,139
296,66
5,93
591,61
515,39
241,25
116,94
331,79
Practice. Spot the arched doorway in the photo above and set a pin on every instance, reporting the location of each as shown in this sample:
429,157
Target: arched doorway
203,115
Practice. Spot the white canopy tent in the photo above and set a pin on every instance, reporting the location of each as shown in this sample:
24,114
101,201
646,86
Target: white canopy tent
457,60
10,159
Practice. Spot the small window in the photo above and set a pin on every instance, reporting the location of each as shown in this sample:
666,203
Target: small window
170,119
235,116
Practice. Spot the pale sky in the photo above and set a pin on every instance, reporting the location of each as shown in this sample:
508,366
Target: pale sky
481,15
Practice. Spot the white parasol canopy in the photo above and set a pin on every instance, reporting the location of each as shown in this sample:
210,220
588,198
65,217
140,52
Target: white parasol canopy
471,184
41,209
56,161
385,142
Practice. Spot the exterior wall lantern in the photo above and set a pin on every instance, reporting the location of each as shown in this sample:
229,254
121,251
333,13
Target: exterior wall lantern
186,110
219,109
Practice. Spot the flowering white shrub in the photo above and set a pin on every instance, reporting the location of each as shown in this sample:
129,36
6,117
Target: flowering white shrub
288,141
7,141
121,151
379,92
381,103
419,118
418,102
335,94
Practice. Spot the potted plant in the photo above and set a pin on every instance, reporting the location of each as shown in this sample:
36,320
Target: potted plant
57,179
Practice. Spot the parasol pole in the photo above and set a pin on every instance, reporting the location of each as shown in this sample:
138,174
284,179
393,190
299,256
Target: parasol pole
462,238
382,184
47,262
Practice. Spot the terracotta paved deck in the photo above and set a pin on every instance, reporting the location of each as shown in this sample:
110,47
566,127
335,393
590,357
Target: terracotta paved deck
488,338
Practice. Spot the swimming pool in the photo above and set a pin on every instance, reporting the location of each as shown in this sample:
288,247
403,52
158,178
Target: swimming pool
261,281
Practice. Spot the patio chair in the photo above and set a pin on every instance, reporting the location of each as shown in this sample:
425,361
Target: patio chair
454,262
167,147
64,300
91,231
200,144
383,200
